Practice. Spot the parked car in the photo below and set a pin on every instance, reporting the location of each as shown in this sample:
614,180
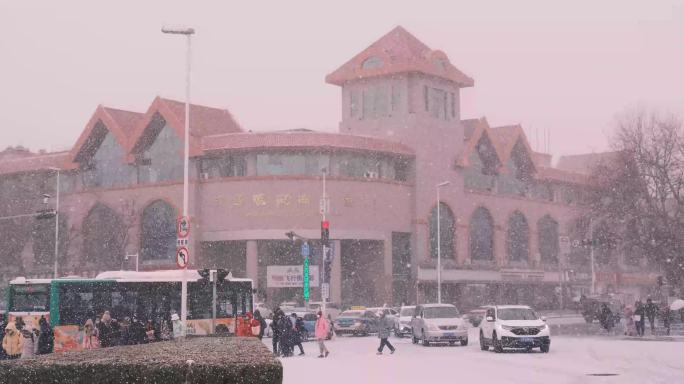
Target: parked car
514,326
331,309
403,327
356,322
438,323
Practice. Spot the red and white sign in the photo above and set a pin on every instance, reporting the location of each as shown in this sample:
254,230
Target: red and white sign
182,257
183,226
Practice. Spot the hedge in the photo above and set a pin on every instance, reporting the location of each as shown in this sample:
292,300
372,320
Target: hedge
228,360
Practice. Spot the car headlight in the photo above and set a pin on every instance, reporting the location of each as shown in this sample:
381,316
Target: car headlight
358,324
507,327
543,327
433,327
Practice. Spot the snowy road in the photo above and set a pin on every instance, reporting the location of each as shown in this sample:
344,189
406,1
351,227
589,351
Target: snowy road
571,360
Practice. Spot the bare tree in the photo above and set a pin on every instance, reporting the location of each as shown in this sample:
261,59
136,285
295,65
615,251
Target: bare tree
640,190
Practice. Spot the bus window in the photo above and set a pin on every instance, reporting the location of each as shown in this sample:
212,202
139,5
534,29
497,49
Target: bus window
80,301
199,300
29,298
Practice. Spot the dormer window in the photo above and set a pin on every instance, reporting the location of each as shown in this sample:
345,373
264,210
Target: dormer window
372,63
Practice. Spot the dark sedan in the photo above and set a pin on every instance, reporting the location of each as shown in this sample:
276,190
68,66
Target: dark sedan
356,322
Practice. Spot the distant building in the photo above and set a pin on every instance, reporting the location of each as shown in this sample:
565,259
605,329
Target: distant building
504,213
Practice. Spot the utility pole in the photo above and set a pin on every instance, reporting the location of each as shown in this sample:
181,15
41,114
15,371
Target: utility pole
187,32
439,244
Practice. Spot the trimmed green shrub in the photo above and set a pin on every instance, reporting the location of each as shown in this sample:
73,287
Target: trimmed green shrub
226,360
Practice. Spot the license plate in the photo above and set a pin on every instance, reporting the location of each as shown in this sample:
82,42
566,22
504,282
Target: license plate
526,340
449,334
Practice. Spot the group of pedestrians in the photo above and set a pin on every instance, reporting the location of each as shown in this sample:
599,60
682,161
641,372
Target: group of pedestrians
635,317
106,331
21,340
287,333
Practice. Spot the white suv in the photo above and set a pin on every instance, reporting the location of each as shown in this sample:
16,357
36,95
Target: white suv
438,323
513,326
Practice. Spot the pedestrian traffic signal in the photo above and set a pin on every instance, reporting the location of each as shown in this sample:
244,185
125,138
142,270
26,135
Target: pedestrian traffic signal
325,232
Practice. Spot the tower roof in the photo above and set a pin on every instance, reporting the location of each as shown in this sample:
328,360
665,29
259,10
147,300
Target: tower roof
398,52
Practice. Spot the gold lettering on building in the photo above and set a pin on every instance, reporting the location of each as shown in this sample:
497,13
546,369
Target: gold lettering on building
303,200
348,202
238,200
259,199
283,201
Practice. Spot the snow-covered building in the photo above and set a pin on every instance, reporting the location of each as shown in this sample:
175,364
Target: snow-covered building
505,211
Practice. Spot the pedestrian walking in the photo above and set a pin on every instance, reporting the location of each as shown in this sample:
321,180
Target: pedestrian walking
12,341
262,323
666,318
90,340
29,346
630,327
639,317
275,331
606,317
651,309
3,324
46,338
297,331
105,331
286,334
384,327
321,332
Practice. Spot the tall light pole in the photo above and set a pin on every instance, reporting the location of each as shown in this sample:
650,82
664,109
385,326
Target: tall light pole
439,243
187,32
57,187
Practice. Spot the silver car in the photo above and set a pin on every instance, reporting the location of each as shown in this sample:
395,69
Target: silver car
438,323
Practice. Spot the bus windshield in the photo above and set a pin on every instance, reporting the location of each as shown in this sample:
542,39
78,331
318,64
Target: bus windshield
29,298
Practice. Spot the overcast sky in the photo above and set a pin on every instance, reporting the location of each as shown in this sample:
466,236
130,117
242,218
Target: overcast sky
566,67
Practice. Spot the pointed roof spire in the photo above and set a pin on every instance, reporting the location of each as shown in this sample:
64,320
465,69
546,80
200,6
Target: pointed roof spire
398,52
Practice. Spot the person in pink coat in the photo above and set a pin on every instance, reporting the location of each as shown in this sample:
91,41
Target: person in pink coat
321,332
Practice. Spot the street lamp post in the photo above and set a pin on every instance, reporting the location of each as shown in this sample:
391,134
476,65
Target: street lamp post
57,187
439,244
187,32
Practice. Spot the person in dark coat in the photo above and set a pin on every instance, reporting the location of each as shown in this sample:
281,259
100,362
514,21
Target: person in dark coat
105,331
639,317
275,326
286,334
137,333
666,318
3,324
46,338
298,329
650,310
262,324
606,317
384,327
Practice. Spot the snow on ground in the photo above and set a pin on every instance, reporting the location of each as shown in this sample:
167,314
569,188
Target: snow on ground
353,360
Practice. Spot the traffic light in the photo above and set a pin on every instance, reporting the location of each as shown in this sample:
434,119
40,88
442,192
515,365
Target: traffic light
325,232
221,274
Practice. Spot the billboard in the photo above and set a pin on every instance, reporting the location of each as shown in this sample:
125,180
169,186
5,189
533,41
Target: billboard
290,276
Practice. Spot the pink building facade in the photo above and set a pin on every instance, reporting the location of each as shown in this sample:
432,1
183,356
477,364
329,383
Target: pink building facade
505,211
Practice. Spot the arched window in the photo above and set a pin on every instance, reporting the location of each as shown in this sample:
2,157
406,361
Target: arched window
547,229
481,235
447,226
103,237
158,234
518,238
